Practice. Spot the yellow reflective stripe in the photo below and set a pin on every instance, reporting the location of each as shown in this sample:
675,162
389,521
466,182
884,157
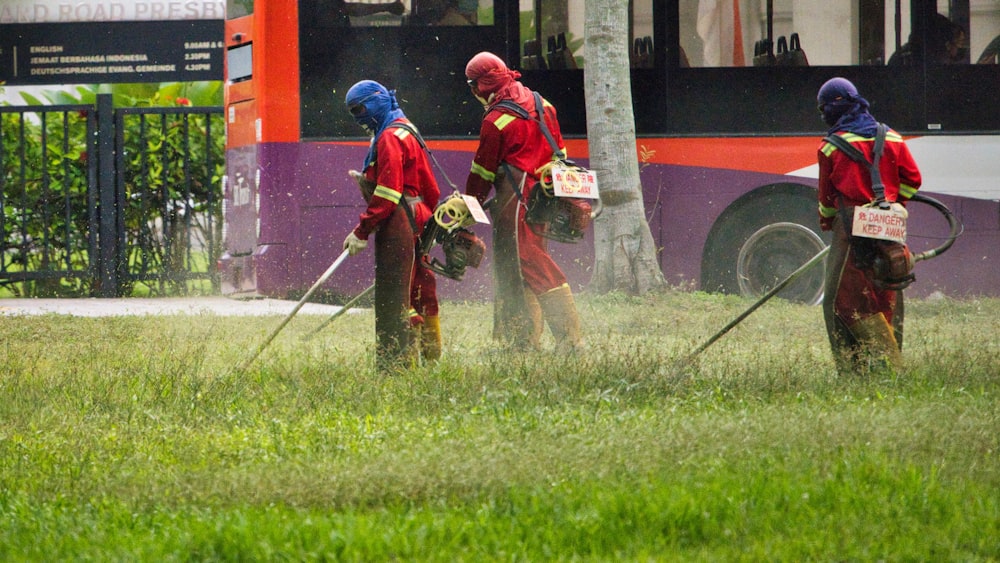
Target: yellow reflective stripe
400,132
828,148
388,193
504,120
483,173
827,212
852,138
907,191
893,137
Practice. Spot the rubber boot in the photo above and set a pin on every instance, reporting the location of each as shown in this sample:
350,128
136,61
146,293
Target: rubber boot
430,338
532,335
877,341
560,313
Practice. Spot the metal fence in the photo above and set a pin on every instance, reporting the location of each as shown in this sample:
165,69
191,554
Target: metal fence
109,202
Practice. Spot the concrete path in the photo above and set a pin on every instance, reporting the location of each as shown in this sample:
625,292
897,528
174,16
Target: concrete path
159,306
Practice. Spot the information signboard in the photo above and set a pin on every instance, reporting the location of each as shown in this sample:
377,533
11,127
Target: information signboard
109,52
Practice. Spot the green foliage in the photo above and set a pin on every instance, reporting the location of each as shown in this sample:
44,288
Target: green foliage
136,439
45,207
165,94
172,174
174,166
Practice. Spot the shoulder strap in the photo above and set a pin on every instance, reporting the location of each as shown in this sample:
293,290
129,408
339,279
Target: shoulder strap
413,130
856,155
514,107
539,107
525,114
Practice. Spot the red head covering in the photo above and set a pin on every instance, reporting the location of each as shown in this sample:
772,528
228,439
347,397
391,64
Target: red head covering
493,77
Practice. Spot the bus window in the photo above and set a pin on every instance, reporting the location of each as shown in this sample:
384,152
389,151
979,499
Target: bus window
239,62
386,13
451,12
984,36
557,42
338,13
238,8
737,33
550,37
954,33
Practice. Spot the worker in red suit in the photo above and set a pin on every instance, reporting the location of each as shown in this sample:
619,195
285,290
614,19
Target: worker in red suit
399,186
529,284
864,319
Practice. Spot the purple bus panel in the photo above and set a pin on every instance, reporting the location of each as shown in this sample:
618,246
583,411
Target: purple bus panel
280,241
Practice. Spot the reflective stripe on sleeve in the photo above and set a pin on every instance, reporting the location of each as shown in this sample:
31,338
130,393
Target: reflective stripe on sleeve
483,173
827,212
388,193
907,191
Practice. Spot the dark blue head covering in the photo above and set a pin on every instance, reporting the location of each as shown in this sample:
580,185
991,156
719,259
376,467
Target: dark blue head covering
374,108
844,110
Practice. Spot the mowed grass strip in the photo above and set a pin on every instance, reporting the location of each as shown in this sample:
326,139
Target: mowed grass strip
136,438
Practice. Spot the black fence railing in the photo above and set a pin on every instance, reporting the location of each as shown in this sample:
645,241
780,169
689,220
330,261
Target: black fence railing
47,193
109,202
170,167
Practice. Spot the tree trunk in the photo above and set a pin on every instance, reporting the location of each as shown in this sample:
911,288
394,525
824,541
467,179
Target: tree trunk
625,254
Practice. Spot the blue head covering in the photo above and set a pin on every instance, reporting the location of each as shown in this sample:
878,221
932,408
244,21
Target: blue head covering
374,108
844,109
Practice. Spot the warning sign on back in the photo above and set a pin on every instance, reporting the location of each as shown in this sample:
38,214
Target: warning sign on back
573,181
883,224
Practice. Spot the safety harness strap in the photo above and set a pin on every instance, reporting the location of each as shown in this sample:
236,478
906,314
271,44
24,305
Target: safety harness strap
406,200
857,156
540,120
423,145
525,114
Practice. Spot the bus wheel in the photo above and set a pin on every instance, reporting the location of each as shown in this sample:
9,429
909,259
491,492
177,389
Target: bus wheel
786,214
772,254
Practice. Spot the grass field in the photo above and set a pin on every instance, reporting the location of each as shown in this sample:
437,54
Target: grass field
136,438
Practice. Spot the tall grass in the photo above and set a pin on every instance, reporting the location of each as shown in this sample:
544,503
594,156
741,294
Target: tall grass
136,438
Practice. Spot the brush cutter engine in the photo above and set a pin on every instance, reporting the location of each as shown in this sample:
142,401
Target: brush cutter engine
461,247
562,219
557,217
888,264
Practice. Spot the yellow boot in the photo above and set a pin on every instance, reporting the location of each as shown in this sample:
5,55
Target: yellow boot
564,322
534,323
877,341
430,338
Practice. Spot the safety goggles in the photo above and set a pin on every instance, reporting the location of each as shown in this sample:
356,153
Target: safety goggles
358,108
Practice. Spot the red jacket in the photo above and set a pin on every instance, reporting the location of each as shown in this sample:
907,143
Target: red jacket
400,169
504,137
844,182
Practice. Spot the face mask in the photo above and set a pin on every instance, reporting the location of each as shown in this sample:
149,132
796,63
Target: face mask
364,118
832,113
475,93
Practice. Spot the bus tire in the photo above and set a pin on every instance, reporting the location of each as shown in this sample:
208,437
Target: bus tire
776,229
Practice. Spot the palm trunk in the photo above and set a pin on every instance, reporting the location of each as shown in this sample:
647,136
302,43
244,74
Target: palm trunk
625,254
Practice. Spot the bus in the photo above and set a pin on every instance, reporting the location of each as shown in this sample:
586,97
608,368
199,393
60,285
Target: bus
727,127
